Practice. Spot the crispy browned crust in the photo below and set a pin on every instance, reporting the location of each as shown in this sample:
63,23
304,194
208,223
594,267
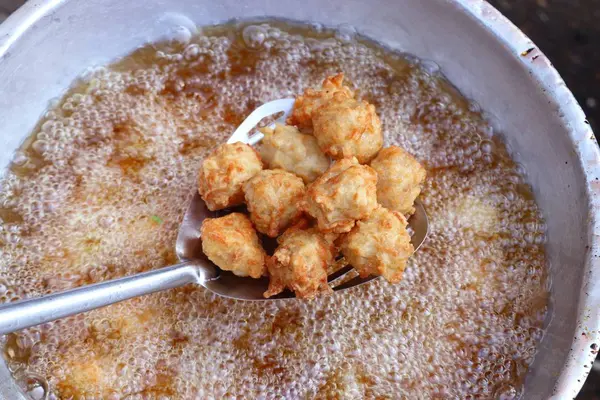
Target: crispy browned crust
345,127
233,245
346,192
273,198
400,179
306,103
300,262
224,171
379,245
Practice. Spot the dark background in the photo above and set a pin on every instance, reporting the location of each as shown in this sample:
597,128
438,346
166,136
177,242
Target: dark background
568,32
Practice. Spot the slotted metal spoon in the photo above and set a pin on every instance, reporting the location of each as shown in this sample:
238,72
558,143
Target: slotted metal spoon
194,266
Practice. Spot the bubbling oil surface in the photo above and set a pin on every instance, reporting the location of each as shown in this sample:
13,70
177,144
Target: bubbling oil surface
100,188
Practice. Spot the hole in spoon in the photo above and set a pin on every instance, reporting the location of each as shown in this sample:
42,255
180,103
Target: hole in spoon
270,120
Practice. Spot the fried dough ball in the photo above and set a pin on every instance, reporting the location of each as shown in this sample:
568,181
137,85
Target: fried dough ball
287,148
379,245
223,173
345,127
346,192
273,198
312,99
400,179
232,244
300,262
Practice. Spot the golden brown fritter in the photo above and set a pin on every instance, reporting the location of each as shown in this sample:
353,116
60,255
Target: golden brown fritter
379,245
273,198
287,148
346,192
300,263
400,179
305,104
345,127
232,244
223,173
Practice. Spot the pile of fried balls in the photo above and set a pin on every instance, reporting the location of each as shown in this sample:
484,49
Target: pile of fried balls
322,185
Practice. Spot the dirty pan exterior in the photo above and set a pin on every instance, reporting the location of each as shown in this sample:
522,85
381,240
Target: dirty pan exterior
46,44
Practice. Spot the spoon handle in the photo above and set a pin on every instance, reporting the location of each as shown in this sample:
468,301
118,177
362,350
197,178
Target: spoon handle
26,313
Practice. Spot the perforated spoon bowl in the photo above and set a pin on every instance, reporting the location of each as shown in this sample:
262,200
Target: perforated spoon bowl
194,266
